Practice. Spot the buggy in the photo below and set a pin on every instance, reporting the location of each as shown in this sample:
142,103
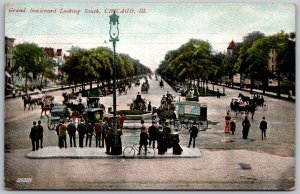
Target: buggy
58,112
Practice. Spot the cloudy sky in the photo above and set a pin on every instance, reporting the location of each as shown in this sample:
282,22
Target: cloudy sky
144,36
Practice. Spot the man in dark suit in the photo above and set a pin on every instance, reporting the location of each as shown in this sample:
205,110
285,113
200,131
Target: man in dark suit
34,136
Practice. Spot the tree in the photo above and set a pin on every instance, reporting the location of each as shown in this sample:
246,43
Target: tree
28,56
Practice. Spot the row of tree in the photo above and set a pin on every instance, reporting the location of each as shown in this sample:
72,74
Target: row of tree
83,65
96,64
196,60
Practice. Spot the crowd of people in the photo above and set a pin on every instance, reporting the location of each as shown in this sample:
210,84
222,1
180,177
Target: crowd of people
100,130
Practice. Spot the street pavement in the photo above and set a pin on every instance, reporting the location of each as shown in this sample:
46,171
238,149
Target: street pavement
272,160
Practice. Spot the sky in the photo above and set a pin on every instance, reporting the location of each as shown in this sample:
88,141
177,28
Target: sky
149,35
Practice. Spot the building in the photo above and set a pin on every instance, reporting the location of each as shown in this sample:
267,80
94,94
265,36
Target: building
230,48
9,53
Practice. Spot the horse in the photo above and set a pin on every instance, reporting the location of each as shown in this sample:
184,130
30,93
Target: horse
244,98
28,100
45,107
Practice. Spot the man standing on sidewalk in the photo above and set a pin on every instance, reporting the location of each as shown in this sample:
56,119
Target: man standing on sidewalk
34,136
72,133
193,134
41,131
62,135
81,128
263,127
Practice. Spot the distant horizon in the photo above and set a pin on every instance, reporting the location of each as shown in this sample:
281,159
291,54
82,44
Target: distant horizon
147,30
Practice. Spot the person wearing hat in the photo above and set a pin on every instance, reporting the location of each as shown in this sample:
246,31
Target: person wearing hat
89,134
71,128
62,133
246,126
152,134
232,126
41,130
34,136
81,128
193,134
98,130
263,127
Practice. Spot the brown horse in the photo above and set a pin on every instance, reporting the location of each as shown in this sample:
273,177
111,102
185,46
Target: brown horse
46,106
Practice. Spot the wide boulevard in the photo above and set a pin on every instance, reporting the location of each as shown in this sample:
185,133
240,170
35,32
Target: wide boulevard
272,160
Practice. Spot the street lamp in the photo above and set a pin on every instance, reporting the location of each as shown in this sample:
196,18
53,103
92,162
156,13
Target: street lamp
116,148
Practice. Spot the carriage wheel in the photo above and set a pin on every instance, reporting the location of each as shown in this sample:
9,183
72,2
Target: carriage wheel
51,125
265,106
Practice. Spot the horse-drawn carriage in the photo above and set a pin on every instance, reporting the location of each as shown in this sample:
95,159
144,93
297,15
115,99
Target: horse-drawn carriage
57,113
138,104
259,101
238,107
137,82
191,113
145,88
166,103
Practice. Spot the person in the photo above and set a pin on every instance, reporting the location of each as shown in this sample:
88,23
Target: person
167,131
98,131
138,97
149,106
81,128
161,141
104,131
174,117
57,131
89,134
41,130
14,93
168,94
71,128
246,126
34,136
263,127
108,140
227,123
62,135
218,93
152,134
232,126
143,139
193,134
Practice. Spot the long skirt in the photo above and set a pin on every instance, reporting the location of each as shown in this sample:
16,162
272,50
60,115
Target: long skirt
227,126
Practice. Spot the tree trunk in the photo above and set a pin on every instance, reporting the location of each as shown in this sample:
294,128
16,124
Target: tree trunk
42,80
91,84
26,74
251,84
198,84
279,89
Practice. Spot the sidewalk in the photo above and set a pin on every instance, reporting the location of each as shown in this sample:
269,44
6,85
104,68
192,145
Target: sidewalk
96,153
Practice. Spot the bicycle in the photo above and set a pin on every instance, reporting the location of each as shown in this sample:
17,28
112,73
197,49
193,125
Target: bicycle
130,151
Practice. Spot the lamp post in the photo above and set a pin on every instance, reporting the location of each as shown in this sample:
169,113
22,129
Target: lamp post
114,37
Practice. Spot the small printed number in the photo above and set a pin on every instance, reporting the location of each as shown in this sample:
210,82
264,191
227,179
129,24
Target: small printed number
24,180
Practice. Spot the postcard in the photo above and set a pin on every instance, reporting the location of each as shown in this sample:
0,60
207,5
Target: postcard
150,96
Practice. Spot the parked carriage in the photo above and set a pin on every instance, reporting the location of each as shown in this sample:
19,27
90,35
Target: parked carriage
191,113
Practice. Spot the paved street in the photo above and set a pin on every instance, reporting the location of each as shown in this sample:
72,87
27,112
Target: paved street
272,161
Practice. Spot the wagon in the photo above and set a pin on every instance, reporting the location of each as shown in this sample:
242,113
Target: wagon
191,113
58,112
93,114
